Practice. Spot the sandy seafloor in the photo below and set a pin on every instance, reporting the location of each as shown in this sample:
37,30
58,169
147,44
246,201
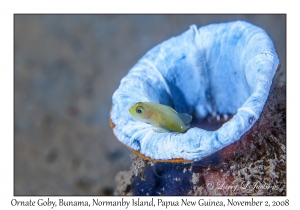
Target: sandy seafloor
66,68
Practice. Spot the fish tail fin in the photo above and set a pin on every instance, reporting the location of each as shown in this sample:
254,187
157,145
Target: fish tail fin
186,119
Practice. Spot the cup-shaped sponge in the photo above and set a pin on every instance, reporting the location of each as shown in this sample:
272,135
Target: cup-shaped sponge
224,68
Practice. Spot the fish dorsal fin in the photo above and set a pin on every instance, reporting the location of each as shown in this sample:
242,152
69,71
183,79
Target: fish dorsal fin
171,109
158,106
186,119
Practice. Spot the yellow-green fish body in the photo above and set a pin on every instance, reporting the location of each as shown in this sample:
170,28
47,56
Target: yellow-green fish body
161,117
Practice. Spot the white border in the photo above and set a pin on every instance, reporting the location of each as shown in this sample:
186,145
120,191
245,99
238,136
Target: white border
8,8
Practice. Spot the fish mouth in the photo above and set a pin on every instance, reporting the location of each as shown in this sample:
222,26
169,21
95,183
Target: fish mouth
130,110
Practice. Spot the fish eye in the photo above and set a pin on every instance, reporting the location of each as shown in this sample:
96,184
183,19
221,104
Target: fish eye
139,110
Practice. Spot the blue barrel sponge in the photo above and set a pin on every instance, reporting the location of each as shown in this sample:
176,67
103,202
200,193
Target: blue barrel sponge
224,68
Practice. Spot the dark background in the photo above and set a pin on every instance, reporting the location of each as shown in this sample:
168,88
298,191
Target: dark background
66,68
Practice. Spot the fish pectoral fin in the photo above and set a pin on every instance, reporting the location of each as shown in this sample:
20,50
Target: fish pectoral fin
186,119
160,129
